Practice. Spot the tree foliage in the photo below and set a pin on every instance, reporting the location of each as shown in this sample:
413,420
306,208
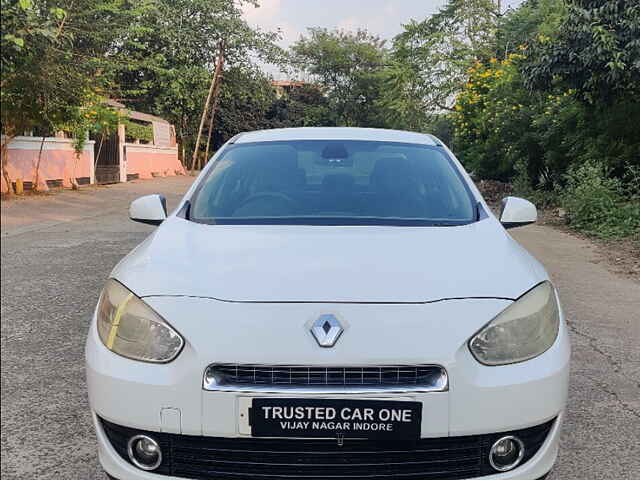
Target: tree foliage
559,115
54,54
430,58
348,67
61,58
533,18
248,101
504,128
170,52
51,60
492,118
595,51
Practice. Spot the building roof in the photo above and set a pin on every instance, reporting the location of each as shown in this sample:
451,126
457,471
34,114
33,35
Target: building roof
336,133
287,83
145,117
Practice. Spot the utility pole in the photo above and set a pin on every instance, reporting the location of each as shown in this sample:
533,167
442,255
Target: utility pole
214,78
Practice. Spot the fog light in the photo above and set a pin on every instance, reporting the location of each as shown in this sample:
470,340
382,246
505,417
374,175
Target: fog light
506,454
144,452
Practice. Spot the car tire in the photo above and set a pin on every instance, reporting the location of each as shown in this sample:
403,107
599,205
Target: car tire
110,477
543,477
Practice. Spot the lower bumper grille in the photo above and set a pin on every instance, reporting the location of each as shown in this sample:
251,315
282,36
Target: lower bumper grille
448,458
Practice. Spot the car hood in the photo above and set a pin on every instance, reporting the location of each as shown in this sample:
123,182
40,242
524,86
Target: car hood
386,264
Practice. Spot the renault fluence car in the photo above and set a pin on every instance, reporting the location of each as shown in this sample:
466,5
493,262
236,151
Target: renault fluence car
329,303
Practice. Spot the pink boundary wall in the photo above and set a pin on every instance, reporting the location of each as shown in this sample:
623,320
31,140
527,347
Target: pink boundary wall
58,160
151,160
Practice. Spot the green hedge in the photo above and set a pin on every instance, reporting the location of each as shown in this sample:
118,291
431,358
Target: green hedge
138,131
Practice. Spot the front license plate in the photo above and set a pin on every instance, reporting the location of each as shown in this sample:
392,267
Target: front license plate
323,418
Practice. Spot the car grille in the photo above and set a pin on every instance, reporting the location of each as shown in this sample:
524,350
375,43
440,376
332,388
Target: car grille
411,377
448,458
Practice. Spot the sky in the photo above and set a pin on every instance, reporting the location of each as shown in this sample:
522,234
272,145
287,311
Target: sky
382,17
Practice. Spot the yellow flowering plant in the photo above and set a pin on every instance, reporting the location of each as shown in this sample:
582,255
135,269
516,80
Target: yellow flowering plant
491,117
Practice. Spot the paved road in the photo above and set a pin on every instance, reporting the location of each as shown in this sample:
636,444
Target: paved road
57,252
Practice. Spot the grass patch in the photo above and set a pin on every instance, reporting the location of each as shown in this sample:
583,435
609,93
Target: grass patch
599,205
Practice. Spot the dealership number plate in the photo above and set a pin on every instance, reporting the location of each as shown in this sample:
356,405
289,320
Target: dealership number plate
323,418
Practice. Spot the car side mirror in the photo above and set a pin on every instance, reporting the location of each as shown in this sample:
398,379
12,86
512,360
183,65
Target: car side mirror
150,209
517,212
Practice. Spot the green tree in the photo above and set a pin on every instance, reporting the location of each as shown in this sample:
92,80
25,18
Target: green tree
304,106
430,58
245,99
169,52
348,67
493,115
506,131
248,102
596,52
54,58
521,26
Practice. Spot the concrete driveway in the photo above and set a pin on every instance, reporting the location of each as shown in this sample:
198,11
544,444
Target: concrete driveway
57,251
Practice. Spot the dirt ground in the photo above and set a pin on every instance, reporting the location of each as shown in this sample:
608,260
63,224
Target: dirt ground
621,257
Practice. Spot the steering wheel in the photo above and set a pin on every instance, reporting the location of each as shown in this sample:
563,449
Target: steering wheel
263,195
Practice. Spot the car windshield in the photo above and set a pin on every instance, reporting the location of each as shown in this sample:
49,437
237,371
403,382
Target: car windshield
330,182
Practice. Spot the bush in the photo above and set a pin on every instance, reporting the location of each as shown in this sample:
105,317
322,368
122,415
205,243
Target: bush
596,204
134,130
492,119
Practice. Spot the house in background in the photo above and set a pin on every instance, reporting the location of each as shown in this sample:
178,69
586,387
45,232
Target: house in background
129,157
284,87
146,149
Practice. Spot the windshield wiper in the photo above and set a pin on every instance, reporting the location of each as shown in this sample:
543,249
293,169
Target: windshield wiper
334,221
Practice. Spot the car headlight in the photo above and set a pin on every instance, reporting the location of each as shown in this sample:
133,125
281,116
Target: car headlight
129,327
525,329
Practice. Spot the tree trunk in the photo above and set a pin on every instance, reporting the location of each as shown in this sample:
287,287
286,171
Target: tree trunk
194,157
214,107
214,79
181,143
5,161
206,152
95,162
37,175
182,152
74,181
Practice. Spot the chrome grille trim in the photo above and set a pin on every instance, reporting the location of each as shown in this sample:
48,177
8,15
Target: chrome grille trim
231,377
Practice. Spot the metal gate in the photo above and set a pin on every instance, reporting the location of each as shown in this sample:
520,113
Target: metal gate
107,160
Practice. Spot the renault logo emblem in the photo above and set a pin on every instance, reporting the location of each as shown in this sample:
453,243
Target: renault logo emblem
326,330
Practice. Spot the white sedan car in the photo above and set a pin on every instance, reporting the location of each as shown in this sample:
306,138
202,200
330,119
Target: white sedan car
329,303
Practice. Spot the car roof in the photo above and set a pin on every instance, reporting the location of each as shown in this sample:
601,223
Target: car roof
336,133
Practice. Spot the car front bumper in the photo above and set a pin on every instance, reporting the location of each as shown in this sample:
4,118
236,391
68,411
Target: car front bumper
170,398
208,457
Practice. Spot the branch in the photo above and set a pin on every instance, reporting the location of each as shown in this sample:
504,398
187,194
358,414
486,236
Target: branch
444,107
63,21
